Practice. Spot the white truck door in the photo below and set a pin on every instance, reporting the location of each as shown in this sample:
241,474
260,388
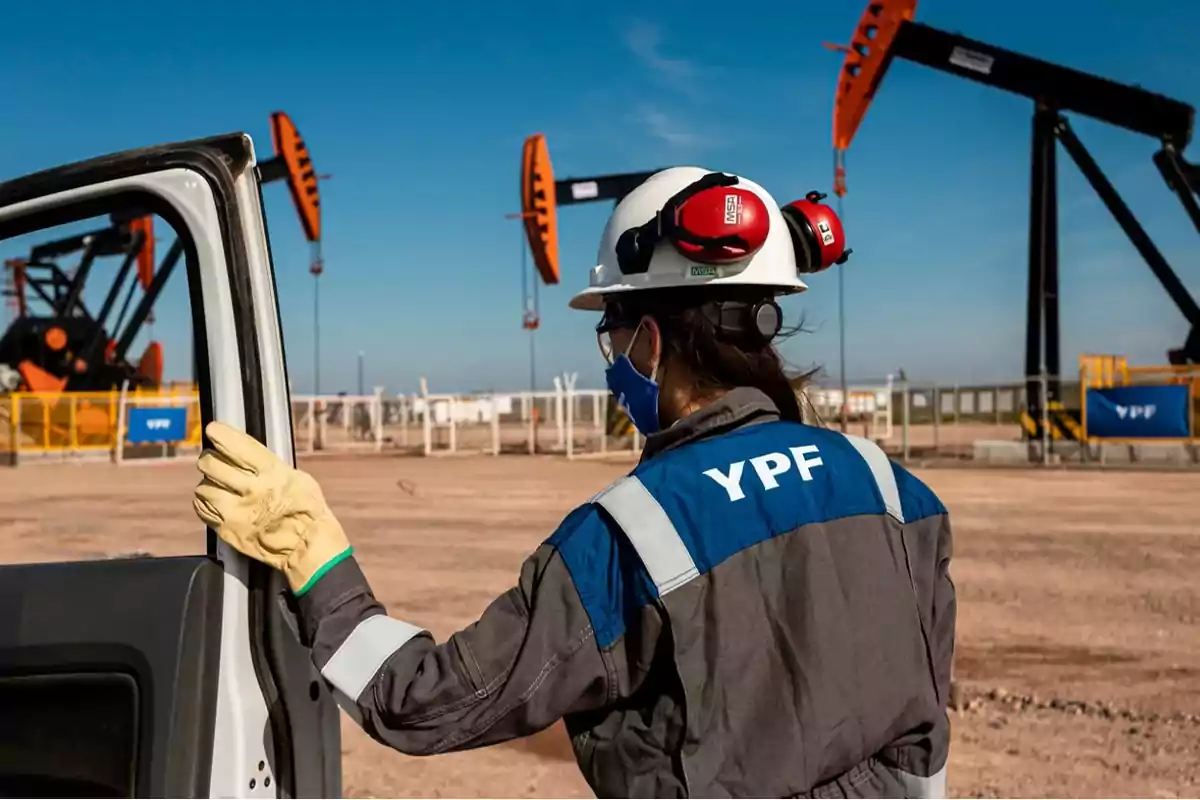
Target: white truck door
184,676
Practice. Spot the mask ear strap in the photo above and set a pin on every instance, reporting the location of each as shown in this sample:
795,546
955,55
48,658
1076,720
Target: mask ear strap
632,340
653,370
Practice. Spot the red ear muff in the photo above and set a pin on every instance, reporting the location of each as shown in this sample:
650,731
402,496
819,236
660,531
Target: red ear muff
720,225
709,222
817,234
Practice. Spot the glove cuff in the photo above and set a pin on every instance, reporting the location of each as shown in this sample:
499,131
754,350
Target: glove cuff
325,547
322,571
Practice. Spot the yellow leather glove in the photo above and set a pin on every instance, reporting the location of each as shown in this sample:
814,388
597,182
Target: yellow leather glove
266,509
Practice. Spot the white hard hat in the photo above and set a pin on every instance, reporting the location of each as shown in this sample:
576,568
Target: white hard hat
771,265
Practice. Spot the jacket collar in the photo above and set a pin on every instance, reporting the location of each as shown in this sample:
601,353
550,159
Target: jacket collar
737,408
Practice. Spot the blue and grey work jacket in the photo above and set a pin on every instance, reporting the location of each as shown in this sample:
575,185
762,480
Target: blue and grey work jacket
761,608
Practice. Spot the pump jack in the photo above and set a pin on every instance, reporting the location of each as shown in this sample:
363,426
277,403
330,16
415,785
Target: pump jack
541,195
67,346
887,31
63,346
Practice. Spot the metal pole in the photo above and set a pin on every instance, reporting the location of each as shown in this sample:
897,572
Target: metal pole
532,365
1043,380
530,302
842,328
937,419
569,404
361,391
906,406
317,334
119,440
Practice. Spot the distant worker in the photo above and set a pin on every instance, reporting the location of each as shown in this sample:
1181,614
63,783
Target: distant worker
759,609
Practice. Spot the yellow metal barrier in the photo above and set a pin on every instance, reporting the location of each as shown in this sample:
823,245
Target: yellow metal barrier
1103,372
81,422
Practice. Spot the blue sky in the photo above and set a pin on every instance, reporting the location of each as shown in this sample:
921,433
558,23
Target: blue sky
419,110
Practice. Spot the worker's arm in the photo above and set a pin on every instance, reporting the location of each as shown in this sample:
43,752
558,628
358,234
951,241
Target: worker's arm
945,609
920,756
531,658
928,547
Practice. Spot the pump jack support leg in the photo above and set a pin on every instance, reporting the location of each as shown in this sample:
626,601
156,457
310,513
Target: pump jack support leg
77,282
98,337
1128,222
1181,178
1052,343
1042,299
126,337
110,300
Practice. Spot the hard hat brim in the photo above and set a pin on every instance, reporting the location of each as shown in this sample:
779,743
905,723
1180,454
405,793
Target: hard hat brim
593,297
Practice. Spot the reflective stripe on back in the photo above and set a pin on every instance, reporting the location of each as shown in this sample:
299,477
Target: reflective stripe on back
651,533
881,470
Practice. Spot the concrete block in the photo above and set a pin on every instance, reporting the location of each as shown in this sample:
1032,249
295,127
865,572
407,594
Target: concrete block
1165,453
1001,452
1113,453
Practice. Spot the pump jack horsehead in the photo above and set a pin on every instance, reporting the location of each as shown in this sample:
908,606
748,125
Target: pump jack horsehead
56,343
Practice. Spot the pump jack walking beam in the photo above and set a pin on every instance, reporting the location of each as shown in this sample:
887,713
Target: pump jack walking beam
887,31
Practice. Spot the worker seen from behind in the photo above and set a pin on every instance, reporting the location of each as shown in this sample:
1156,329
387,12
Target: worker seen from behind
761,608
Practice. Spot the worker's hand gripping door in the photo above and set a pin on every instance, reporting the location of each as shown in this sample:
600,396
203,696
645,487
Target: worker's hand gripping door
177,677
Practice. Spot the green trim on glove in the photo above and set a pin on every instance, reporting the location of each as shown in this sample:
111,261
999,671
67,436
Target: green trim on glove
320,573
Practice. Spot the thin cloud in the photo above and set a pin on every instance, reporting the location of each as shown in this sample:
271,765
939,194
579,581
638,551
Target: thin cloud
668,130
662,118
644,41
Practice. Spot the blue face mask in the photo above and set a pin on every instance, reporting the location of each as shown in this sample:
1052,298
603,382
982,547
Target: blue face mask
635,393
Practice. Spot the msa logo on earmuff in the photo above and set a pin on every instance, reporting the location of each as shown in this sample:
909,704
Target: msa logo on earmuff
710,222
733,209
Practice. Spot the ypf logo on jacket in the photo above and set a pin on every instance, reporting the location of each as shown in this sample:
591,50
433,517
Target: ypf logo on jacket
768,467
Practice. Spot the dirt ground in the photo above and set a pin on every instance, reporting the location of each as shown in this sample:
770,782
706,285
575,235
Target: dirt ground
1078,658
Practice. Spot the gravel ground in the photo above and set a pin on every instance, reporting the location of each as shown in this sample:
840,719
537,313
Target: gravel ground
1078,663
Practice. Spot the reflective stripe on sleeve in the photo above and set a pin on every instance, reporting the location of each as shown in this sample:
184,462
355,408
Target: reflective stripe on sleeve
917,786
369,645
881,469
651,532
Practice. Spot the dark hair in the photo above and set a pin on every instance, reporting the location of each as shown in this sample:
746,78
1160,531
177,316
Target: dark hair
718,358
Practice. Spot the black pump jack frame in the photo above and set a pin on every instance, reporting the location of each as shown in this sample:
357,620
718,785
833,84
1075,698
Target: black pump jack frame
1056,89
63,292
570,191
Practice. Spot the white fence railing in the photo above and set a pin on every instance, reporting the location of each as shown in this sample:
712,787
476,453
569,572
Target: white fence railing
567,421
576,423
339,422
868,409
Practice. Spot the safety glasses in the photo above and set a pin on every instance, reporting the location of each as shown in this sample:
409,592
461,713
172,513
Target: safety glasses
614,319
604,341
